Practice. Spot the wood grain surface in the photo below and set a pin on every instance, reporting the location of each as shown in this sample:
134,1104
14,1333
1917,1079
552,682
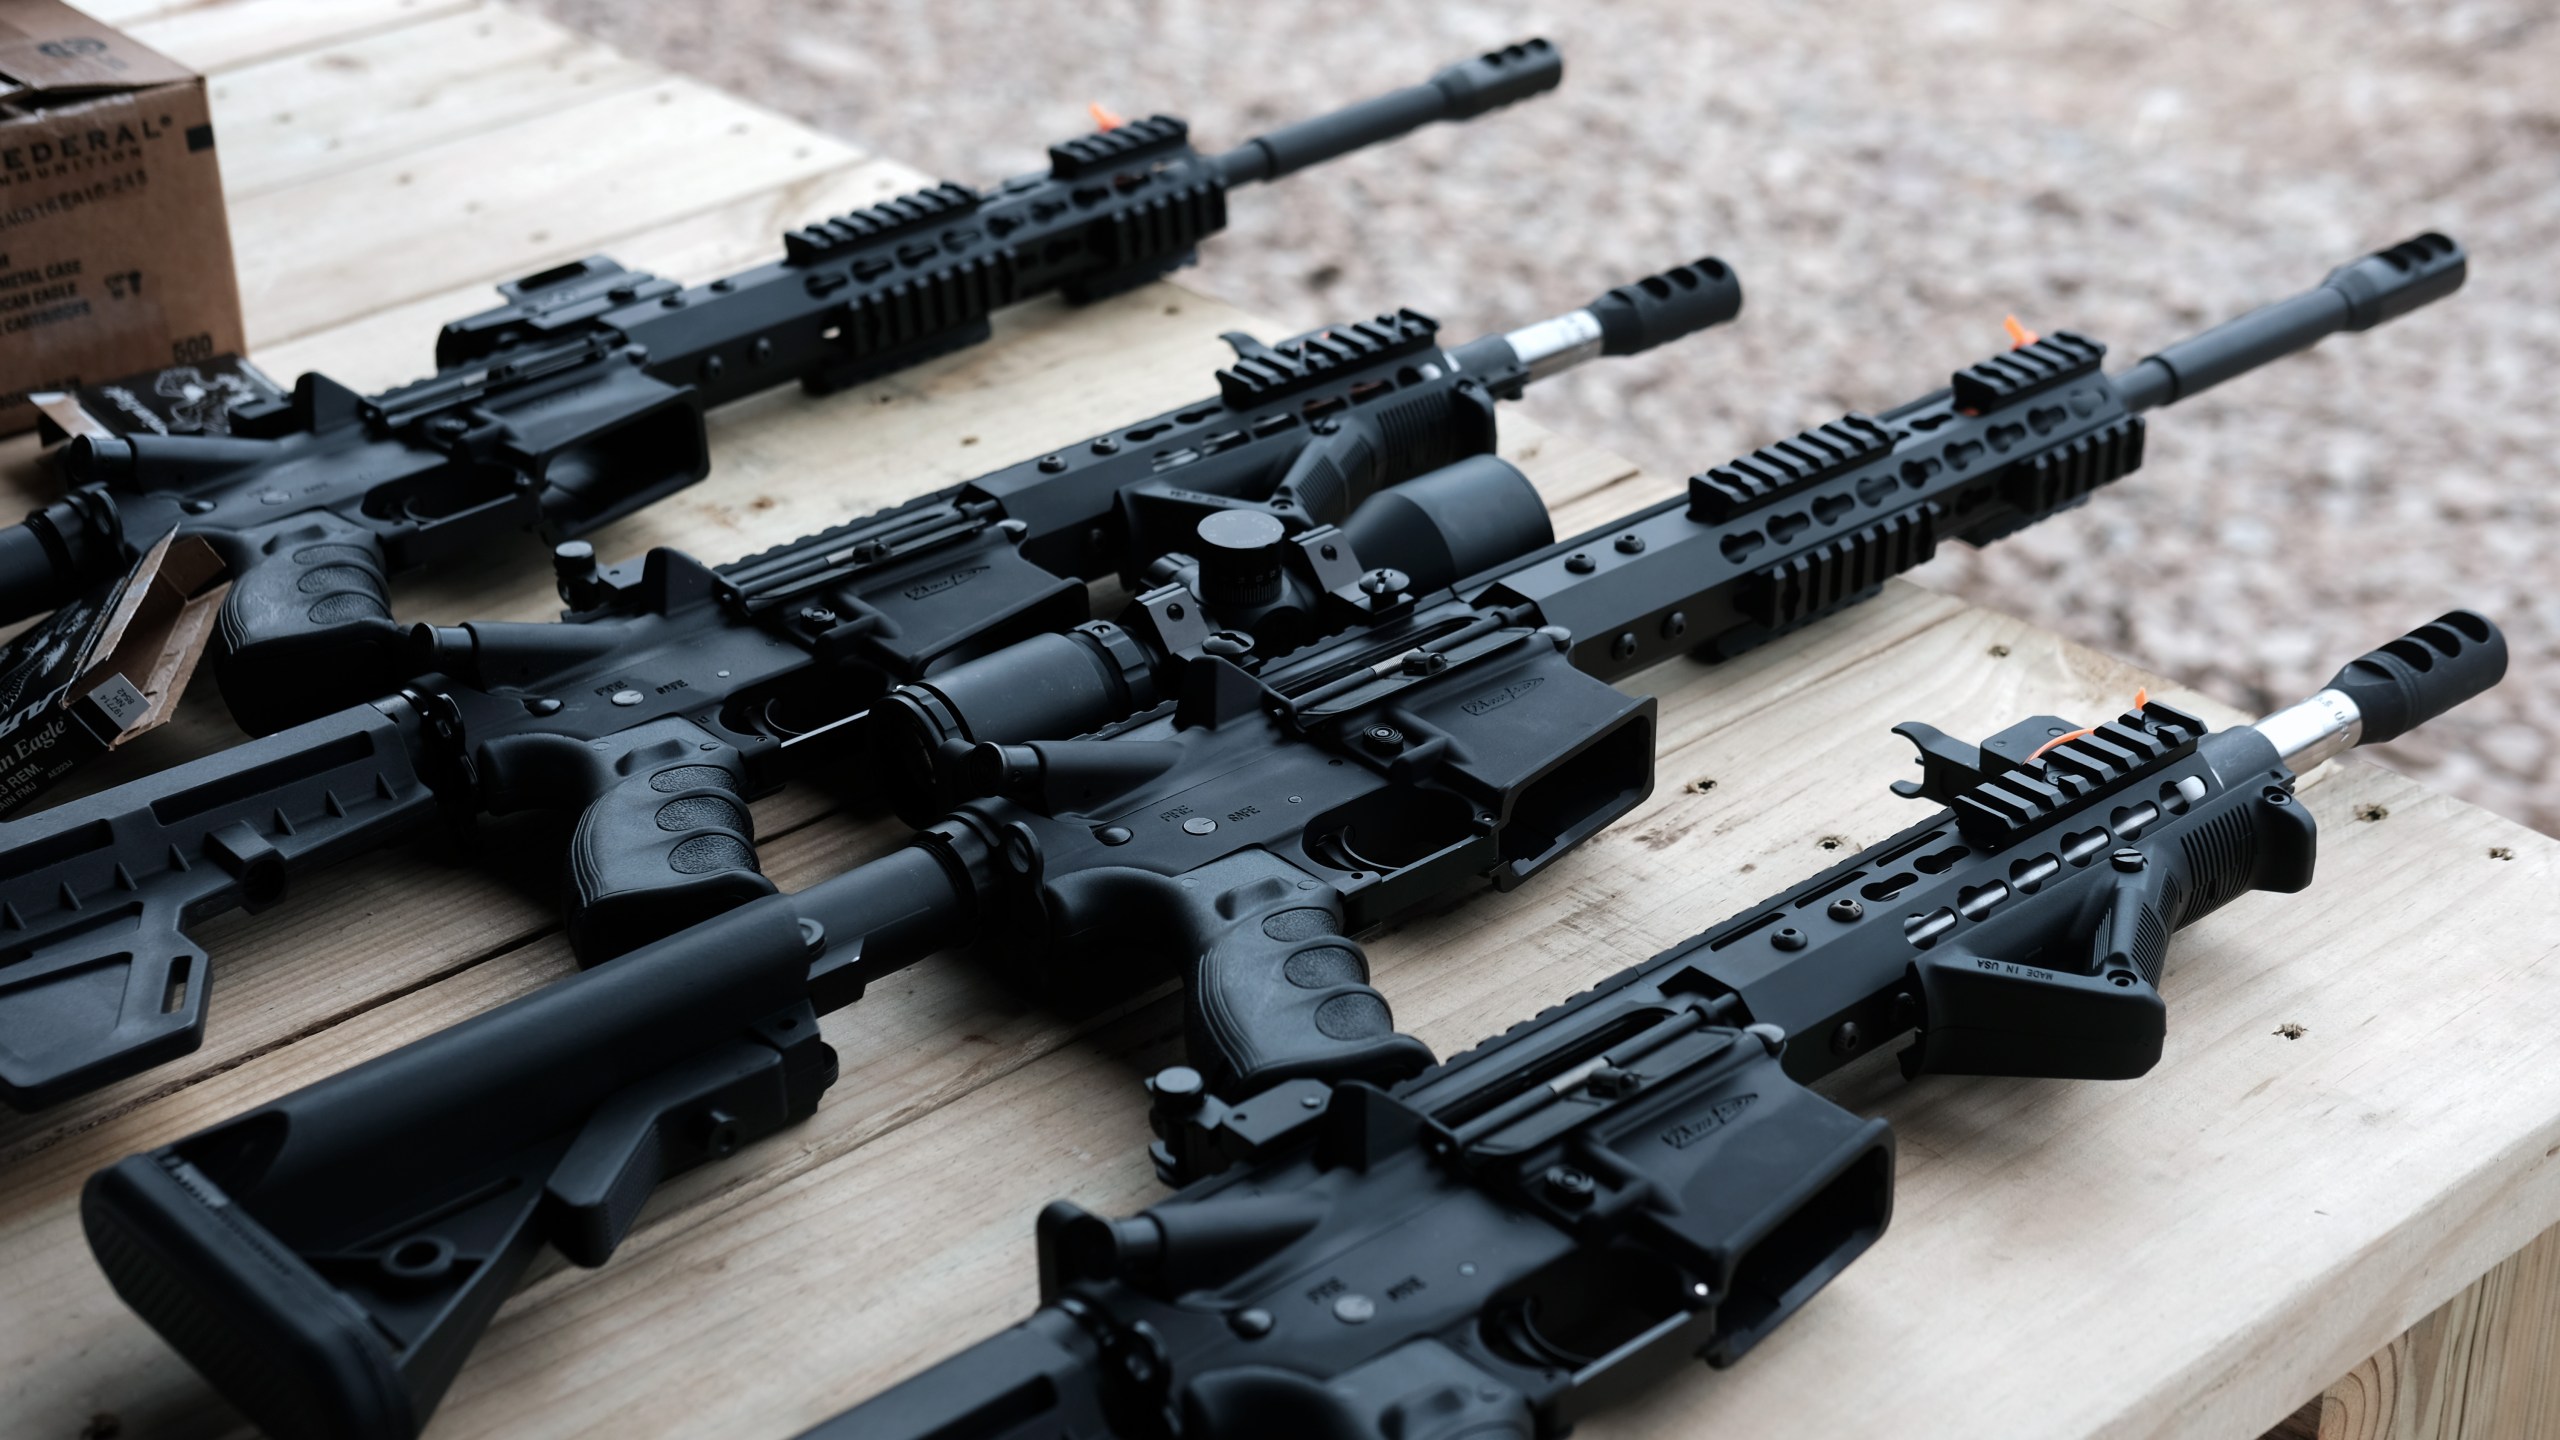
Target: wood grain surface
2191,1254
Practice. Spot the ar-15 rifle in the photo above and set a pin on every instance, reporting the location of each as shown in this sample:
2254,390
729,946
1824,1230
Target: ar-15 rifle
581,398
329,1258
674,693
1562,1215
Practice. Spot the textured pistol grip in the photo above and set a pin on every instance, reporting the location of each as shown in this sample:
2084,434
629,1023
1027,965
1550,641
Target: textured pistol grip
307,627
661,850
242,1307
1281,994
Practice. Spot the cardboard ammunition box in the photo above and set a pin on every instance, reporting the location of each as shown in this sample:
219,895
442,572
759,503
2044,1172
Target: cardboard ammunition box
106,667
115,255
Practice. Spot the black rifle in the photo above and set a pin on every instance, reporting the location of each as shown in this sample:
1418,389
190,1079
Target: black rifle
329,1258
674,692
581,398
1564,1214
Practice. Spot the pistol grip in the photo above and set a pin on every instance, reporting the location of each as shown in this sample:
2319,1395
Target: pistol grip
667,844
1279,993
307,627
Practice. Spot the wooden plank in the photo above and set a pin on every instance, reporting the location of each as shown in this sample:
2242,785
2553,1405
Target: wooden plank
936,1033
2337,1186
213,38
319,111
1578,922
2481,1367
2016,1196
318,254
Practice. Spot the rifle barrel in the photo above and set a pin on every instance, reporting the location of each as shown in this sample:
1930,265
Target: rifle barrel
1460,92
2356,296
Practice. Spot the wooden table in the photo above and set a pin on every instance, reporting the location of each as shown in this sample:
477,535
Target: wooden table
2191,1254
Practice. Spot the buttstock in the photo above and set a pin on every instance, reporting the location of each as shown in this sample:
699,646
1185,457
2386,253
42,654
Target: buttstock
328,1261
98,1005
98,979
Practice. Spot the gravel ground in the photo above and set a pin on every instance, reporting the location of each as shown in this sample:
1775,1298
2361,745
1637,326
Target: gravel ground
1890,180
